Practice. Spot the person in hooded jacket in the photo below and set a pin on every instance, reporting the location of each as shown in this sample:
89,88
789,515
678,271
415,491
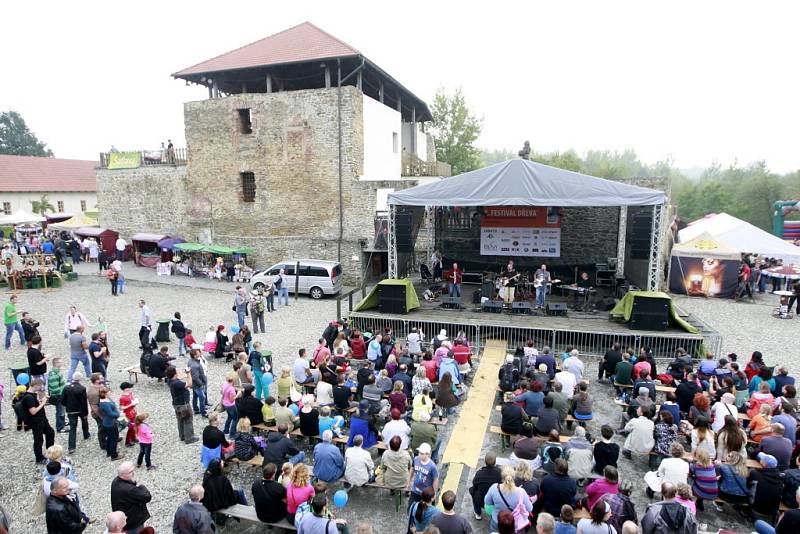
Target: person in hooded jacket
668,515
219,492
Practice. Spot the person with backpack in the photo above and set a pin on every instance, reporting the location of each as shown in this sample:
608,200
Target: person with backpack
258,306
505,495
179,330
280,285
32,404
508,375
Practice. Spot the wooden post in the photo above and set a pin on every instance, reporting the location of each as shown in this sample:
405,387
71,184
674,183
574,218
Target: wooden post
327,77
216,89
399,105
244,87
414,130
380,91
358,80
269,82
210,93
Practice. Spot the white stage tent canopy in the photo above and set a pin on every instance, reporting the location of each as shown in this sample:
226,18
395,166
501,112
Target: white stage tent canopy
742,236
522,182
519,182
21,216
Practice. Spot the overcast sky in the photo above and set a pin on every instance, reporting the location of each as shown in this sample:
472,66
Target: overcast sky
698,81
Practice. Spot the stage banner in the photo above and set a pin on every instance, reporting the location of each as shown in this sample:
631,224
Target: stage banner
124,160
521,231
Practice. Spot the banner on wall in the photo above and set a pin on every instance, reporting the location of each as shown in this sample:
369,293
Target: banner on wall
124,160
521,231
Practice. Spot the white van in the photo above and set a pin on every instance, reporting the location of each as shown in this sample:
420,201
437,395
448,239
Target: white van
317,277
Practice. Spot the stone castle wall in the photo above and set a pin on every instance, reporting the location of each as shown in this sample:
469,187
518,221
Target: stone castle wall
293,154
147,199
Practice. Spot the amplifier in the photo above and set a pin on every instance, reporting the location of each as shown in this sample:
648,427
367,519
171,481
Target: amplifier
521,307
451,302
556,308
492,306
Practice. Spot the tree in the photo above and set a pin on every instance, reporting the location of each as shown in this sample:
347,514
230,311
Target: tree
490,157
455,131
17,140
42,205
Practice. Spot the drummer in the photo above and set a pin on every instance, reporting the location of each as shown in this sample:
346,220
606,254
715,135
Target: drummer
584,285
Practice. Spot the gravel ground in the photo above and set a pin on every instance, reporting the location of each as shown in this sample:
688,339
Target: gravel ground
745,327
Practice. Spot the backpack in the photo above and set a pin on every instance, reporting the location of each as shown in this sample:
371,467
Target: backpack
20,410
791,481
508,381
144,362
303,509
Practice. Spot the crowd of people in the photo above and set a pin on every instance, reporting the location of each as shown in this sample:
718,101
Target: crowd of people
723,435
365,409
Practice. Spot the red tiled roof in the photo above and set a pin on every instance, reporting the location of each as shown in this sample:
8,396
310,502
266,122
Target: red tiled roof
28,173
304,42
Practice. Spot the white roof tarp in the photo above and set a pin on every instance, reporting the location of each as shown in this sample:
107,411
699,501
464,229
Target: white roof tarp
742,236
706,246
520,182
21,216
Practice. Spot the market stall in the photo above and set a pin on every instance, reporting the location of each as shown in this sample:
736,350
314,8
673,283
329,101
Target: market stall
213,261
146,251
106,238
73,223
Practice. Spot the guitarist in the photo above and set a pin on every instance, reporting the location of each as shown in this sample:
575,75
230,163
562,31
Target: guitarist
509,283
540,281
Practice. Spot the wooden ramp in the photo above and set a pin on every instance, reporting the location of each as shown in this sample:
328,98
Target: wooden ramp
466,441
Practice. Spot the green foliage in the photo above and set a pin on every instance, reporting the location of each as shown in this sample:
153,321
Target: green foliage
490,157
42,205
455,131
17,140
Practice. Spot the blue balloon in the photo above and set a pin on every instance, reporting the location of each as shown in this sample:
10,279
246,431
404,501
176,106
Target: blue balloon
340,498
234,329
266,379
23,379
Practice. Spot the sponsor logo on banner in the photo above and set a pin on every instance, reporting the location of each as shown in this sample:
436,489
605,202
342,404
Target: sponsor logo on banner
521,230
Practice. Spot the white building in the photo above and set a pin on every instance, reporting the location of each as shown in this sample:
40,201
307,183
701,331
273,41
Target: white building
70,185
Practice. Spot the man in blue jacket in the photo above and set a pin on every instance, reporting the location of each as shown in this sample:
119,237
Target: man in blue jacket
328,461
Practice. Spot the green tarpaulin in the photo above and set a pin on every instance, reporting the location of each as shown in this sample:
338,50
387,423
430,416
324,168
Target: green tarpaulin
244,250
624,308
189,247
412,300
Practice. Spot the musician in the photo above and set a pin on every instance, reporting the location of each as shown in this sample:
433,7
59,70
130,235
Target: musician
584,285
454,276
541,279
509,282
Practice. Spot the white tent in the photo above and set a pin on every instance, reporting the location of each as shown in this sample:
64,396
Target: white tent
21,216
742,236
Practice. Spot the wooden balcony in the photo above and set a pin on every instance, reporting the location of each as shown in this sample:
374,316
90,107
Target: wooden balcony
414,166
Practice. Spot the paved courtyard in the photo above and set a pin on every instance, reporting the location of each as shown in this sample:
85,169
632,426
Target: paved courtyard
745,327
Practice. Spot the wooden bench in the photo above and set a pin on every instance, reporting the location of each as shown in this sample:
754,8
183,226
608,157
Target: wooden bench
659,388
248,513
255,461
133,373
398,494
505,437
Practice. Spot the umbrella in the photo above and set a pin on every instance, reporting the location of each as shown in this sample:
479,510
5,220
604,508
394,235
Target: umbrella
170,242
783,271
244,250
218,249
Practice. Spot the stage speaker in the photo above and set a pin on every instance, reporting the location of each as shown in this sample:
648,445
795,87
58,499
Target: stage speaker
556,308
487,289
451,302
649,314
492,306
403,226
521,307
392,299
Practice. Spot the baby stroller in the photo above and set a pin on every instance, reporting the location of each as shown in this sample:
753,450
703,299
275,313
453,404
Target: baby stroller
425,273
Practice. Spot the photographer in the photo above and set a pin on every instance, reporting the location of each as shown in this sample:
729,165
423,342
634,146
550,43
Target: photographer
33,403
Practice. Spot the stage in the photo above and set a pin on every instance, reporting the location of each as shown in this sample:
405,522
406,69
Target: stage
591,333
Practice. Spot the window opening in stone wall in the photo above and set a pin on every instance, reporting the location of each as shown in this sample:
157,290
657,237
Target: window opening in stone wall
245,121
60,206
83,205
248,187
394,142
7,208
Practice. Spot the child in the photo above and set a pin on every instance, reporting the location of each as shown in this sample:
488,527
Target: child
285,477
145,437
684,497
705,486
285,383
55,453
127,403
326,422
189,340
564,524
267,413
15,404
55,387
352,381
